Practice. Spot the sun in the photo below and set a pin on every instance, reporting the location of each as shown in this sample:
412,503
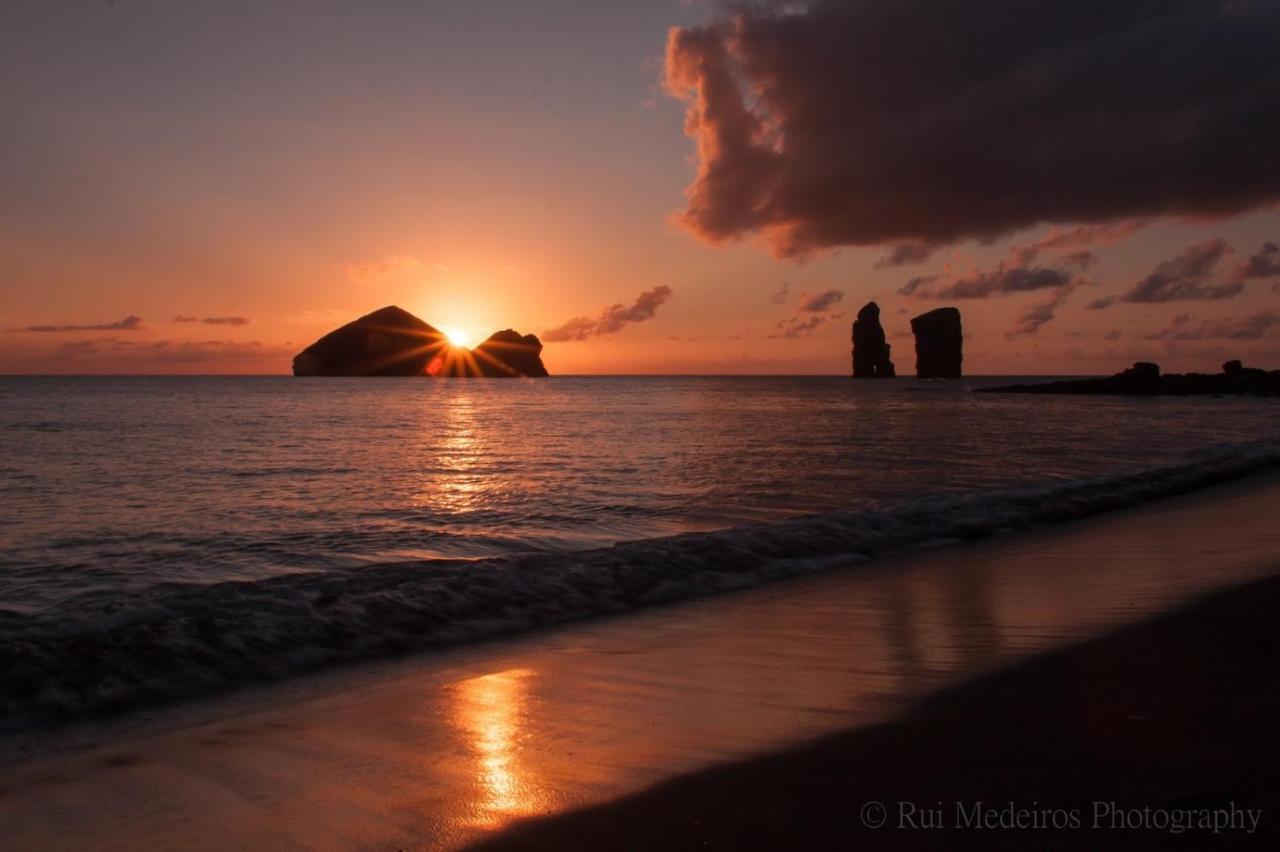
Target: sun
457,337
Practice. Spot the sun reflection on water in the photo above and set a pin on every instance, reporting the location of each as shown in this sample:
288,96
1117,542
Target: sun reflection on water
490,711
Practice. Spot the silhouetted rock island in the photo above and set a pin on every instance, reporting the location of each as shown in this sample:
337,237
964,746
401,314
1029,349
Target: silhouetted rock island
1145,379
870,351
393,342
939,344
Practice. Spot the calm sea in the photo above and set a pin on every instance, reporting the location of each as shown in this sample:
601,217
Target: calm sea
359,515
125,482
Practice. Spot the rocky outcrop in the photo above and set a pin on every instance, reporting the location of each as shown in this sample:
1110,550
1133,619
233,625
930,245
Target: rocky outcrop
870,351
508,353
393,342
1145,379
388,342
939,344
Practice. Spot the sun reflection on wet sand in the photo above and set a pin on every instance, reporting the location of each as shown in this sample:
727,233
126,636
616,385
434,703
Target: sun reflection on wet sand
490,711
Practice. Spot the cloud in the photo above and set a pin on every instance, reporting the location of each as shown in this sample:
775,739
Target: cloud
233,321
162,352
906,254
612,319
782,294
1185,277
797,326
860,122
1038,315
1257,326
1086,236
1002,281
912,286
377,270
1264,264
129,323
813,310
1081,260
815,303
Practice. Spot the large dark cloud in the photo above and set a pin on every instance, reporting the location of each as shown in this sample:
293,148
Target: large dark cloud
129,323
1186,277
927,121
612,319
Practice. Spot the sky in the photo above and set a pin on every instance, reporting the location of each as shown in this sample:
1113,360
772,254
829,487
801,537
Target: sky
656,187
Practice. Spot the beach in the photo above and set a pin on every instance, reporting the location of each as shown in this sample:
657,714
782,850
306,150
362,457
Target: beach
1161,735
440,750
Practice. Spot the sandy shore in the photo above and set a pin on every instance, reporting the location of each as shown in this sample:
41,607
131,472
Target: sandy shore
1161,735
440,750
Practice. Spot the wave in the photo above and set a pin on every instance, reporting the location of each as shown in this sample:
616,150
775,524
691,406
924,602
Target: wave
102,651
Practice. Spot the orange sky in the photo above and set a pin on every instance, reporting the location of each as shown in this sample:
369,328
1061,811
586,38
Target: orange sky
482,171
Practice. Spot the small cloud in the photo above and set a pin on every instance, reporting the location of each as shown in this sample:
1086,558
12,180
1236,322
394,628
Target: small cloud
1257,326
1264,264
798,326
1039,315
129,323
1084,236
906,254
1186,277
378,270
232,321
915,284
819,302
161,352
612,319
1080,260
781,295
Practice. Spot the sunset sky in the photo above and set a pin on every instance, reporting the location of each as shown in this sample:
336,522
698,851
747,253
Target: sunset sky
651,187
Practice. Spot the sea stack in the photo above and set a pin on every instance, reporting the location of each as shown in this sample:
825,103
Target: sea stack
393,342
939,344
870,352
388,342
509,354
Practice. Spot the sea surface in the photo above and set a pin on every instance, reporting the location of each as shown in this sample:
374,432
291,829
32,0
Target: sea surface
167,536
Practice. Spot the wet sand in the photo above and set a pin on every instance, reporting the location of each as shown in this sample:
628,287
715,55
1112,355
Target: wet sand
1160,736
439,750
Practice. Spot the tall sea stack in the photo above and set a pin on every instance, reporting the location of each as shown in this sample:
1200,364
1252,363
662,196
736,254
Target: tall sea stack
870,352
939,342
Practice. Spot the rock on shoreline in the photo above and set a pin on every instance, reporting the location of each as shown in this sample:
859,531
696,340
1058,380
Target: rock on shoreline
1145,379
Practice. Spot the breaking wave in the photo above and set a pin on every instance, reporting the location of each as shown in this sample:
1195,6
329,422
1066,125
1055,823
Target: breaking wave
104,651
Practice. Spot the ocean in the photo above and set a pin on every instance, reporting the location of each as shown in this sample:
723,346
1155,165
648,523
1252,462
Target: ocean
169,537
